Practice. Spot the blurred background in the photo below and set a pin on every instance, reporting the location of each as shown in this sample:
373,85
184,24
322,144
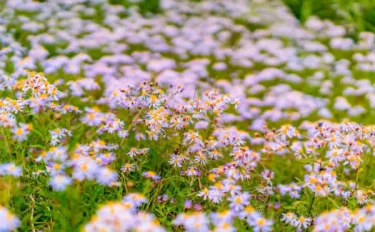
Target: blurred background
360,14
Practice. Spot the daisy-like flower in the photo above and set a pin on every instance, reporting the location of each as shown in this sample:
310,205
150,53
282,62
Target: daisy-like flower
260,224
105,158
10,169
106,176
289,218
21,132
193,222
59,153
60,182
136,199
201,158
287,131
215,195
239,201
9,221
55,168
268,175
151,175
128,167
84,168
224,226
302,222
175,160
133,152
57,134
335,155
193,171
123,133
154,101
363,221
204,193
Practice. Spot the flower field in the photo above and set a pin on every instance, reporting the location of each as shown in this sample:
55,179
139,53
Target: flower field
186,115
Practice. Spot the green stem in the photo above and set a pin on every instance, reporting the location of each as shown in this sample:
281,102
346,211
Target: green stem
5,140
368,166
311,205
310,211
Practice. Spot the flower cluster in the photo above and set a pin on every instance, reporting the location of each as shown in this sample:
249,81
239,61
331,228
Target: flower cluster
342,219
87,162
123,216
226,115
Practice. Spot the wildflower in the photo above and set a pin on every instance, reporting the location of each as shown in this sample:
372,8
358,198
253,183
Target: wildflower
215,195
193,222
105,158
85,168
57,134
133,152
239,201
193,171
128,167
123,216
261,224
204,193
302,222
21,132
175,160
152,175
55,168
268,175
136,199
123,133
10,169
188,204
106,176
60,182
9,221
